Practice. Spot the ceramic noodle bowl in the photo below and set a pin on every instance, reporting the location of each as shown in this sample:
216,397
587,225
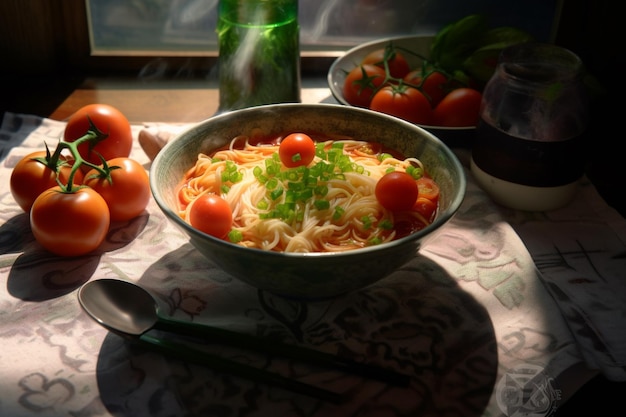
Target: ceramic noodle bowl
307,275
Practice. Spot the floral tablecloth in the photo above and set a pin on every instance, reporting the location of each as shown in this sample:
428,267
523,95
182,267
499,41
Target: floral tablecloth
485,322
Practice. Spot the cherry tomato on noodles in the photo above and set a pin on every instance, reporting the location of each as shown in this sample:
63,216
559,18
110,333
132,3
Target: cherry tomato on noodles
108,120
212,215
297,149
70,224
426,207
396,191
428,188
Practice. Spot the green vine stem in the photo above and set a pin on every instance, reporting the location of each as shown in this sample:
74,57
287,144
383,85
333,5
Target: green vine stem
427,68
53,162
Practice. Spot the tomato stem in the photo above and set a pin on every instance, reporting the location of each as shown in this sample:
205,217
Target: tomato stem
93,135
428,67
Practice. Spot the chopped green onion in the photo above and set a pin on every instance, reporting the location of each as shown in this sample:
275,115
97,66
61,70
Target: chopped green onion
333,155
385,224
290,196
295,186
235,236
304,195
415,172
236,176
275,194
384,156
321,190
271,184
291,175
339,211
319,150
272,167
321,204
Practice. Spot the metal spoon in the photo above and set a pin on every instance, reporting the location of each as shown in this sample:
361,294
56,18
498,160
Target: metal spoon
131,311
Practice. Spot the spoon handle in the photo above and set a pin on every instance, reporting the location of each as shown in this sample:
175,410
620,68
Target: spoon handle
221,364
266,345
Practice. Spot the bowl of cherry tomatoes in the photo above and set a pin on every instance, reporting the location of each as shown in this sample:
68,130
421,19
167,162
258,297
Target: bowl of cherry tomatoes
394,76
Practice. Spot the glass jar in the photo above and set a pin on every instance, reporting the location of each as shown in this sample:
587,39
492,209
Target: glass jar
259,53
528,150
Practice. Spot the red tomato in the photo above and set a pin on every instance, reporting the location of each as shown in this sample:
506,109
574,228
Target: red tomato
212,215
426,207
428,188
396,191
435,86
108,120
297,149
407,103
70,224
360,83
459,108
397,63
30,177
128,192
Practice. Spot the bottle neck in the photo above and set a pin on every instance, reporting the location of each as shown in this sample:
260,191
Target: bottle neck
258,12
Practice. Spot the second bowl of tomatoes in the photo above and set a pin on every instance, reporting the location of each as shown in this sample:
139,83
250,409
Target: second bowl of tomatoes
394,76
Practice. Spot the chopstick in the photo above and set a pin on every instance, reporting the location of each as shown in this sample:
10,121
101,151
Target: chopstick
221,364
262,344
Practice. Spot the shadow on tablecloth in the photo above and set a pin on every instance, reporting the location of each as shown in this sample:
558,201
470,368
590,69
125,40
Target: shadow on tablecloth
417,321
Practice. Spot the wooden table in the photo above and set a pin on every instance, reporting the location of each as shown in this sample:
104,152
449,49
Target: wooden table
185,101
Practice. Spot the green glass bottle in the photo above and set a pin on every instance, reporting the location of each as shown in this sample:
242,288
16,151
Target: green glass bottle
259,53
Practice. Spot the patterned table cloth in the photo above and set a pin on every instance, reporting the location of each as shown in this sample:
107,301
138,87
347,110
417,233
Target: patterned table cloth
500,313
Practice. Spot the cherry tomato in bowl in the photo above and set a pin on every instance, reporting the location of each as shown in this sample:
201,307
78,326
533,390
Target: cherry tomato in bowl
212,215
460,107
398,65
296,149
428,188
434,84
360,84
396,191
405,102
